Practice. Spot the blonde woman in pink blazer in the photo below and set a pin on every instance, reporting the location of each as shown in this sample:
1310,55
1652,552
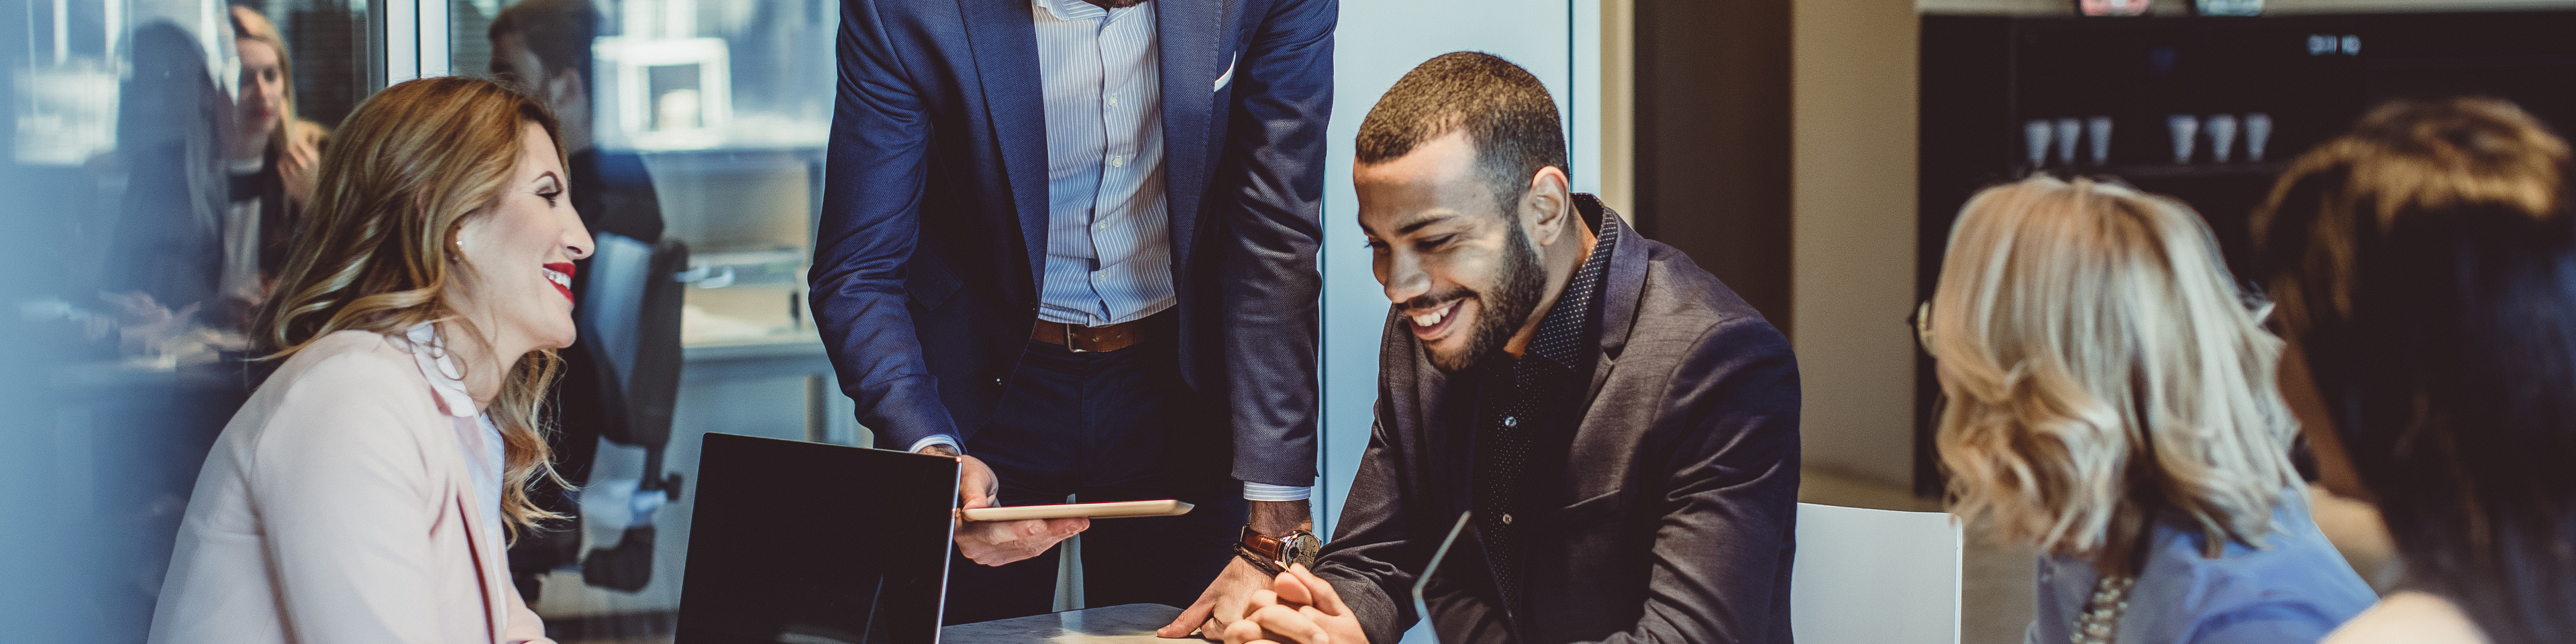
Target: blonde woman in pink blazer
368,489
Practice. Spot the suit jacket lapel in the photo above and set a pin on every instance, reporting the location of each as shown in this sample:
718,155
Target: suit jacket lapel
1605,440
1620,291
1187,36
487,569
1003,36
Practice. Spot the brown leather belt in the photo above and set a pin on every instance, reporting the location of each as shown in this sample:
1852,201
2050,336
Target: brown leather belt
1088,339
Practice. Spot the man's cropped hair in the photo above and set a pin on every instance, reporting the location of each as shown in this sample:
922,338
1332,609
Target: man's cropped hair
559,32
1505,111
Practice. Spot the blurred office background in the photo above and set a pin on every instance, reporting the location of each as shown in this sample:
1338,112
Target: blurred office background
1804,150
118,106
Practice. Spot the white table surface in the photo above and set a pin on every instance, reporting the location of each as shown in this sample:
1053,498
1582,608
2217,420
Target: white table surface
1127,624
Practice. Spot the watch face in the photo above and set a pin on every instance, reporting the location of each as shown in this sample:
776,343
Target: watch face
1299,548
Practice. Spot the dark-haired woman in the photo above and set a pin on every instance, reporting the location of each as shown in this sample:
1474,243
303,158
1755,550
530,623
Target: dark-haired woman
366,491
2425,267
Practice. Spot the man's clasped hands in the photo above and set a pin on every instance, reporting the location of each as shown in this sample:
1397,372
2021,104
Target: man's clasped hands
1299,608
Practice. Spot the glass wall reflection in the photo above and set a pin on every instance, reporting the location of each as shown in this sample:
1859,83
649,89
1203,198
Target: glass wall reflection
160,152
694,127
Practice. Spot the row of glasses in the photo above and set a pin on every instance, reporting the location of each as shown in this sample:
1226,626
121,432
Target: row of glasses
2185,130
2063,135
2055,141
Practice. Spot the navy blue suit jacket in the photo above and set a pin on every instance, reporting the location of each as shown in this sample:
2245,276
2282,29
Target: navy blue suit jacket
929,257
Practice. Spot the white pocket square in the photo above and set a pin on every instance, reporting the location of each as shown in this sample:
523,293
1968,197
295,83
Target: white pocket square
1228,76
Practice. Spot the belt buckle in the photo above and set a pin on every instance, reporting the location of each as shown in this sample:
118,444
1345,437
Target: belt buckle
1068,340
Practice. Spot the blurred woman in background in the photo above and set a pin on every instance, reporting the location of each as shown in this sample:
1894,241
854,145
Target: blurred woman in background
2109,399
364,492
271,161
2426,269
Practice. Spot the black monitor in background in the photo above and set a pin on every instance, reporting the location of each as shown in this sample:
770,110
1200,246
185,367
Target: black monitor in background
808,542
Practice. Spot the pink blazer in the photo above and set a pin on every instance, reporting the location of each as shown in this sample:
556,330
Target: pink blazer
336,508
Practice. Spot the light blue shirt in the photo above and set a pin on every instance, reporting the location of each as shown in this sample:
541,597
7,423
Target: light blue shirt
2293,590
1109,239
486,468
1109,233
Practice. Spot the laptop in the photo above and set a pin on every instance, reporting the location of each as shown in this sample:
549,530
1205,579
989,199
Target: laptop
1456,596
807,543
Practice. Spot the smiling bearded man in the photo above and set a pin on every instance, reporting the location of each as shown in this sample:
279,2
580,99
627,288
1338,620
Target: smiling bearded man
1523,282
1623,427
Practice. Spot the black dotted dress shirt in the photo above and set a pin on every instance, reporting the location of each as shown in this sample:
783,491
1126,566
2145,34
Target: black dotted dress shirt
1523,404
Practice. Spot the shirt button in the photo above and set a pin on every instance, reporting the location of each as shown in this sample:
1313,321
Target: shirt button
1510,421
1507,519
1113,100
1117,162
1100,278
1100,227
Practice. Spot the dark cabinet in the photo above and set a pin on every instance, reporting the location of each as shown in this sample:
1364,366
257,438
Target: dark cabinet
1991,87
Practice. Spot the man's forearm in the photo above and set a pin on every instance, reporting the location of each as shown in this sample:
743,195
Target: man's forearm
1274,518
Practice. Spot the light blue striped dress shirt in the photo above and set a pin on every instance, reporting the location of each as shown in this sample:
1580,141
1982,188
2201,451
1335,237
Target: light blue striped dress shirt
1109,233
1109,240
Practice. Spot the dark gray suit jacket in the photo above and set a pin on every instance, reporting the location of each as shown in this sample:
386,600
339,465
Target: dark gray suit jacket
1674,515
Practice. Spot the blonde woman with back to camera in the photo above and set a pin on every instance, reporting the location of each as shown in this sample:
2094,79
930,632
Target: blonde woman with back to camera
2108,398
365,492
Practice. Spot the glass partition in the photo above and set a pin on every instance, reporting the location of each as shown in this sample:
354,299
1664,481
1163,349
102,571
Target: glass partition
147,210
150,203
727,105
706,122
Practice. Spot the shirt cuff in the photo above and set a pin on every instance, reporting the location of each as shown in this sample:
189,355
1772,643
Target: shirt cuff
936,439
1268,492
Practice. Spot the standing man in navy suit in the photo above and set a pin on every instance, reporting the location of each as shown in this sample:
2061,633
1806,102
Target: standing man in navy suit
1072,243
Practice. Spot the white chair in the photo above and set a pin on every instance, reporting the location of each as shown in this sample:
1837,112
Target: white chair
1875,577
1866,576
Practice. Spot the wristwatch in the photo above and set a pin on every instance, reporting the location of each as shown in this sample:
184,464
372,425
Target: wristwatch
1274,554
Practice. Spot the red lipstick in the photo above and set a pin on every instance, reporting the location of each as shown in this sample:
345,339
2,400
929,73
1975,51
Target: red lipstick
567,270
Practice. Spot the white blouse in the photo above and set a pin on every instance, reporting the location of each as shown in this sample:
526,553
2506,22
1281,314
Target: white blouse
480,441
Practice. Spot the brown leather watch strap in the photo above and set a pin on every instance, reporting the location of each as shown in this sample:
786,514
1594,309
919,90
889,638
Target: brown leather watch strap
1088,339
1268,566
1267,547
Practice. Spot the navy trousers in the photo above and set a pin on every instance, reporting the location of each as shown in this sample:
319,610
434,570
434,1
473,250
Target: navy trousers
1106,426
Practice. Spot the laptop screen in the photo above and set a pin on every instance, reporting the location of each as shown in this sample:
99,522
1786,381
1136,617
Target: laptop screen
812,543
1456,594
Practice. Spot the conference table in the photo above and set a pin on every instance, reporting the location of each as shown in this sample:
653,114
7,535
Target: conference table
1125,624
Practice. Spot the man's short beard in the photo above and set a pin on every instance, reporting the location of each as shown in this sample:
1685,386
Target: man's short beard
1501,313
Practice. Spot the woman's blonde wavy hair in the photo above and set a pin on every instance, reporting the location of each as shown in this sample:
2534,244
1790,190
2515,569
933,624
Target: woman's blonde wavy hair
2077,324
376,249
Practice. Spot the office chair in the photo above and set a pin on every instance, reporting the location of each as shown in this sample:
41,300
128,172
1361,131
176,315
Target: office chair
632,306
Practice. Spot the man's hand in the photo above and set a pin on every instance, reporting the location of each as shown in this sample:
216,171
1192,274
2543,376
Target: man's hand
1224,602
1300,608
994,543
1225,598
